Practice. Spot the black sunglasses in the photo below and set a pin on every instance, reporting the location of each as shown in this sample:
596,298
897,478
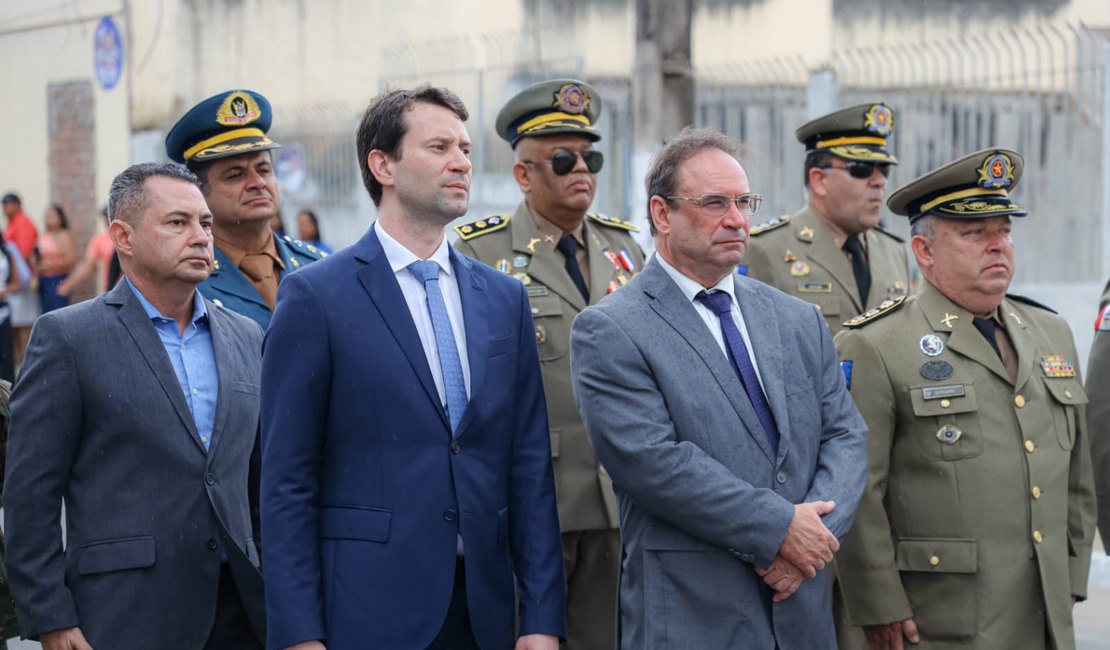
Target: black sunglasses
563,162
859,169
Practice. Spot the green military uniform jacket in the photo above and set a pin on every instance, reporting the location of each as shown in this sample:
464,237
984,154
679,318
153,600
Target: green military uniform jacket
1098,413
799,256
585,493
978,514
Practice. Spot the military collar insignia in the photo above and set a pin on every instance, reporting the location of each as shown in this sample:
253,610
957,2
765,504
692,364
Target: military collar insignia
1057,366
789,257
768,226
532,244
996,172
806,234
948,318
237,109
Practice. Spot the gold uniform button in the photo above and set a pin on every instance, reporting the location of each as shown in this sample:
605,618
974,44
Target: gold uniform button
1037,536
1036,492
934,561
1067,394
945,403
535,310
1029,447
1019,401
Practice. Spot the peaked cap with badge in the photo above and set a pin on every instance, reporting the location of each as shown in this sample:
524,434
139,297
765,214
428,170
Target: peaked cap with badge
856,133
524,245
550,107
978,518
228,124
798,253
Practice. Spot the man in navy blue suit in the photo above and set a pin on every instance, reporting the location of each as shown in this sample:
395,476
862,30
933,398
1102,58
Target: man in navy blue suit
405,487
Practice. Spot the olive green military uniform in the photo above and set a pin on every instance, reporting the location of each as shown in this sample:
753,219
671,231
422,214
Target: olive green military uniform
799,256
1098,413
586,502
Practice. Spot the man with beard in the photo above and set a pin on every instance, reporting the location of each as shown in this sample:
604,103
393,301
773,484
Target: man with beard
405,489
223,141
976,525
567,258
832,253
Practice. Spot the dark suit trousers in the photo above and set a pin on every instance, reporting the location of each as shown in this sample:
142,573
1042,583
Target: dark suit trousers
456,633
232,629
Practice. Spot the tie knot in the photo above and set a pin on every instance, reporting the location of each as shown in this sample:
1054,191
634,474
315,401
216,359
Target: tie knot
424,270
852,245
568,245
985,326
719,302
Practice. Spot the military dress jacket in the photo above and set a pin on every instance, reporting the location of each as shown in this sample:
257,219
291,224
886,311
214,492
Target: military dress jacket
227,286
978,516
515,246
799,256
1098,412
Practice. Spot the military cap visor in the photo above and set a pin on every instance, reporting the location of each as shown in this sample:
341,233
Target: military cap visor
229,124
857,133
550,107
973,187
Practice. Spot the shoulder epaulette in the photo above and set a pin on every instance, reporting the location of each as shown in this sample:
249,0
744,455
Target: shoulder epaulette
768,226
890,234
481,227
304,248
1030,301
613,222
886,307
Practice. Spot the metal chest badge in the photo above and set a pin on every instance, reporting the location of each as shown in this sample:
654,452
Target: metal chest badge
931,345
936,370
799,269
502,265
949,434
1057,366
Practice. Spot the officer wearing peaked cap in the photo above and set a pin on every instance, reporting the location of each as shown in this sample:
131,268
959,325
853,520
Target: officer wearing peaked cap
224,141
568,258
976,524
832,252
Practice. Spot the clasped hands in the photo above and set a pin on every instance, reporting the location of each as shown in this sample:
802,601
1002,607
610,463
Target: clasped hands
807,548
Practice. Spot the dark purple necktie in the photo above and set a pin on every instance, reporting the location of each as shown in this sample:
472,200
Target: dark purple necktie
720,303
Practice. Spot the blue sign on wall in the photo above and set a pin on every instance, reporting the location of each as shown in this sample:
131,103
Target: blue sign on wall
108,53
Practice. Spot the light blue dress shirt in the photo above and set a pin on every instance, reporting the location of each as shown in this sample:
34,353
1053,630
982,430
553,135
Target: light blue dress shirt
193,360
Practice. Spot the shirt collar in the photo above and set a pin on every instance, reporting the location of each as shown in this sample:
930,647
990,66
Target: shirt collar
691,288
400,257
199,309
236,255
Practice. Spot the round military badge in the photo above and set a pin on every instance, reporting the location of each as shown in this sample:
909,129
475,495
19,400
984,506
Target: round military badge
931,345
799,269
949,434
936,370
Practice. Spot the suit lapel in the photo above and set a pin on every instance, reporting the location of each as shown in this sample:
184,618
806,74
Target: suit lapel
380,283
142,331
766,340
475,309
1025,346
222,352
546,265
945,316
673,307
824,253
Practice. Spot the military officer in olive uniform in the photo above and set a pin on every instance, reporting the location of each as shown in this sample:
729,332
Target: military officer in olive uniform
567,258
976,524
1098,413
832,253
223,141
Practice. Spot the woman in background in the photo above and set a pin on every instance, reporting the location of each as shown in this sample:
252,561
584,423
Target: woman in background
57,253
308,230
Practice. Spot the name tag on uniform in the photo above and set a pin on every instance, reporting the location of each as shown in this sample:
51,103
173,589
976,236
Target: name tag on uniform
938,392
815,287
537,291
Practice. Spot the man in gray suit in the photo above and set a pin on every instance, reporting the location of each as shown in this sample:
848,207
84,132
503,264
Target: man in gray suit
139,411
718,408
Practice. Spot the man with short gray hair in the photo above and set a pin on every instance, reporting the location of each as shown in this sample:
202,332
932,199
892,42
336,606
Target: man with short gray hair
138,410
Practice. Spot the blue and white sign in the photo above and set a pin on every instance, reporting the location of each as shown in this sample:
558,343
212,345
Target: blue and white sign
108,53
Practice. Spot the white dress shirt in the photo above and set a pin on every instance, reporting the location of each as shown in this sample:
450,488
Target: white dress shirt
399,258
691,288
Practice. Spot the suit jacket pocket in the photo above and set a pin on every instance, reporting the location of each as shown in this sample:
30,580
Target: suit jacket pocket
503,345
245,387
1069,395
355,522
939,576
948,425
115,555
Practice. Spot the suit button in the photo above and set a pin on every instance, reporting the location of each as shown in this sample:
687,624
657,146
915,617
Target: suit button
210,479
780,477
1019,401
212,545
455,447
450,515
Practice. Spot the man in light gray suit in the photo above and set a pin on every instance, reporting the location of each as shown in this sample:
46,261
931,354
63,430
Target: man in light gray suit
139,410
717,406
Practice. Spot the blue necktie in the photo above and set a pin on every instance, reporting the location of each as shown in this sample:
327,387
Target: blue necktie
453,383
720,303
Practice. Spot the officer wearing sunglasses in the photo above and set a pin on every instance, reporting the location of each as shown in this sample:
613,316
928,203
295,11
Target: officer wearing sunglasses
832,252
568,258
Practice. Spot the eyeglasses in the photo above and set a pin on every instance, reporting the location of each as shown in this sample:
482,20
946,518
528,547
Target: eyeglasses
859,169
716,205
563,162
